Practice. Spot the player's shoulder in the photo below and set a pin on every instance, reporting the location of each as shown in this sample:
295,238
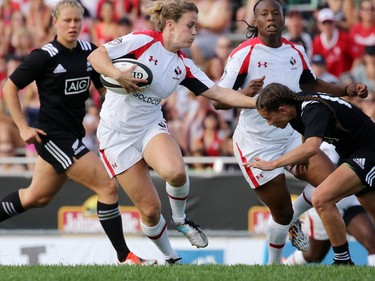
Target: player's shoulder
52,49
292,45
157,35
86,45
48,50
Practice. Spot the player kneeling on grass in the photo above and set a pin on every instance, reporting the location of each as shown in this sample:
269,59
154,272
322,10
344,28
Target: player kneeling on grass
320,117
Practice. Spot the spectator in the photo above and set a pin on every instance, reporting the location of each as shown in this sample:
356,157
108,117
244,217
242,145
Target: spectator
365,73
318,65
363,32
215,69
244,13
333,44
215,66
176,109
87,25
124,26
38,19
22,43
344,12
105,29
193,122
17,22
122,8
210,140
214,20
7,8
295,31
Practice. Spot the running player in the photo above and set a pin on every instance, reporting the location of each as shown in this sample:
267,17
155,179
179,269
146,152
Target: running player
63,77
133,134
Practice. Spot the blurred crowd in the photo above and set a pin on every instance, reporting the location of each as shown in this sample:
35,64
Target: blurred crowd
338,35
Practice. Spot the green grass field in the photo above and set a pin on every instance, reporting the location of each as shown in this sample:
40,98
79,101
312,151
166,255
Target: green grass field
188,273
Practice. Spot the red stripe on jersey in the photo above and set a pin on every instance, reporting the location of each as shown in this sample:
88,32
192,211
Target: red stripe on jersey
249,43
293,45
276,246
107,162
246,62
157,36
247,169
159,235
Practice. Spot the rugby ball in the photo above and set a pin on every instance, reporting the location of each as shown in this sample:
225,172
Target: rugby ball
141,72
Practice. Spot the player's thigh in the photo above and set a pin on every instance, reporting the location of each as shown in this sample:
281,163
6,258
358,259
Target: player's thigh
318,169
339,184
44,185
89,171
367,201
275,195
164,155
362,229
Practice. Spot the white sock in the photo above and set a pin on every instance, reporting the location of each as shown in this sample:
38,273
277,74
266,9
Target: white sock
158,234
276,236
371,260
295,258
303,202
177,198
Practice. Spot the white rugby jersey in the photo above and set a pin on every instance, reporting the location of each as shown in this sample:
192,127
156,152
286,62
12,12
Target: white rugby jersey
130,113
287,65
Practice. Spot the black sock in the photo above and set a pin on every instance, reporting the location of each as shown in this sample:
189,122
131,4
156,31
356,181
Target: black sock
341,253
10,206
110,219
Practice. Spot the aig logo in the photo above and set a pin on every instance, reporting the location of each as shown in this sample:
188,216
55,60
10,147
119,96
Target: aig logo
76,85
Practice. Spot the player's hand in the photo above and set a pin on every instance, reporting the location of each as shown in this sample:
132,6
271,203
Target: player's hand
298,170
129,82
31,135
260,164
254,87
357,90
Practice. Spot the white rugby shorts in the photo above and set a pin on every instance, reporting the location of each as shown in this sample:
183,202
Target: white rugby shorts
313,225
246,147
120,151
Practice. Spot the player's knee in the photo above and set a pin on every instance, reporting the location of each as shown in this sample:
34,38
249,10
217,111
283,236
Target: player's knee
176,176
317,200
150,213
108,188
40,202
31,199
112,187
282,216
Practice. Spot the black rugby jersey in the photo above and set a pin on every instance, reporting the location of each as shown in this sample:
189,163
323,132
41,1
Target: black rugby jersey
316,120
63,78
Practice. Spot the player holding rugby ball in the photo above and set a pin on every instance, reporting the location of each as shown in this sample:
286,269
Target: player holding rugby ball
134,135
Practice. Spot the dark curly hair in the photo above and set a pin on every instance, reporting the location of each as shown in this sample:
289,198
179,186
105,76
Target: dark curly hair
274,95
